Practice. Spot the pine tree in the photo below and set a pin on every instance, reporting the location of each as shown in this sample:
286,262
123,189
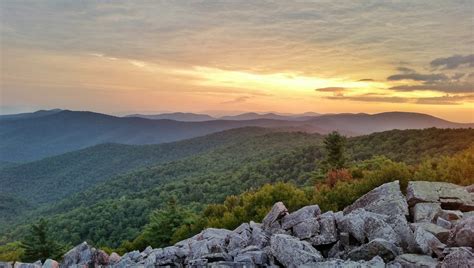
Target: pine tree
334,144
39,245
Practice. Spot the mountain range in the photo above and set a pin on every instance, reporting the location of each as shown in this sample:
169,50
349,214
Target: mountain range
27,137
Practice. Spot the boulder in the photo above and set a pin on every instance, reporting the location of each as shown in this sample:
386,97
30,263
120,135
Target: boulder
292,252
461,257
259,238
49,263
80,254
26,265
301,215
450,196
427,243
425,212
6,264
443,223
386,199
404,232
252,255
441,233
366,226
306,229
462,234
470,188
114,258
416,260
239,238
376,262
327,230
270,222
377,247
450,215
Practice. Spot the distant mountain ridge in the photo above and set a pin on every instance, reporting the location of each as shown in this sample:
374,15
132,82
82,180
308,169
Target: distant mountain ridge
30,137
192,117
185,117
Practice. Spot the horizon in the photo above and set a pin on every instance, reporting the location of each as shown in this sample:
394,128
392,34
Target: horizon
291,57
217,115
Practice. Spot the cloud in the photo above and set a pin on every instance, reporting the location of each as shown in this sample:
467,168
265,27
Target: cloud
445,100
331,89
370,98
237,100
406,70
440,100
366,80
451,87
418,77
453,62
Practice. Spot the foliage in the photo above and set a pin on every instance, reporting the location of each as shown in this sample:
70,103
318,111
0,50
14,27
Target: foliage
11,252
458,169
39,244
162,225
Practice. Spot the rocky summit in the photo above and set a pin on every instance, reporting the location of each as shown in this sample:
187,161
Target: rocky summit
433,226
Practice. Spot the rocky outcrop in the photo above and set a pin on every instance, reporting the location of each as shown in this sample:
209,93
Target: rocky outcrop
448,195
386,199
431,227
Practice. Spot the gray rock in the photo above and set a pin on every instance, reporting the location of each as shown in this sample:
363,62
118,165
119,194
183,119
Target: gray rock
216,257
239,238
80,254
428,244
260,238
468,214
405,234
450,215
49,263
252,255
462,234
299,216
416,260
460,257
306,229
114,258
425,212
26,265
377,247
327,230
292,252
443,223
6,264
386,199
441,233
270,222
367,226
451,196
376,262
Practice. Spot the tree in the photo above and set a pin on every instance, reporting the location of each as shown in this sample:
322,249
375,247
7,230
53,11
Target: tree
163,224
39,245
334,144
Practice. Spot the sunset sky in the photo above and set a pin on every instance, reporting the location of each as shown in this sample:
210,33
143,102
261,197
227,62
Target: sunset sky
222,57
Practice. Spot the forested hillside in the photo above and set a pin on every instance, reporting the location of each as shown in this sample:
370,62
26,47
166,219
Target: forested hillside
118,209
77,171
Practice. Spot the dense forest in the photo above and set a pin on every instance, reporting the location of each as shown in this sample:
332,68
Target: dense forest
238,180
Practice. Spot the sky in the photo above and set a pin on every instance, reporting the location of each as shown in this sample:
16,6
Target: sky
221,57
